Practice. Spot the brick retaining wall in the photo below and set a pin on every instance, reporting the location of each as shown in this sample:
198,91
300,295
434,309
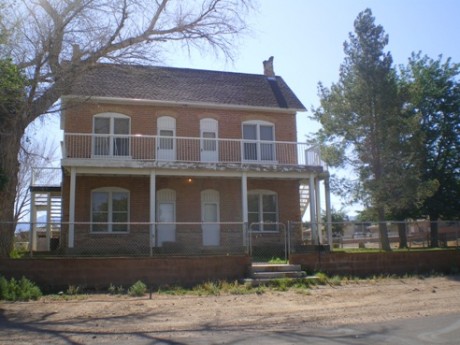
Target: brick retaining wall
365,264
99,273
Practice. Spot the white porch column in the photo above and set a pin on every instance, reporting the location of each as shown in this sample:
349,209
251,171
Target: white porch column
314,232
327,192
153,209
33,225
48,221
318,210
73,184
244,204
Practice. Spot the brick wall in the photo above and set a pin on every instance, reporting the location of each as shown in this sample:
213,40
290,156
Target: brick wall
79,119
99,273
365,264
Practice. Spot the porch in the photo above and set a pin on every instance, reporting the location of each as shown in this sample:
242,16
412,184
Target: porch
132,150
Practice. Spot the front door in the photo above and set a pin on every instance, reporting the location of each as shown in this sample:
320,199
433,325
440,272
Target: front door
210,217
166,227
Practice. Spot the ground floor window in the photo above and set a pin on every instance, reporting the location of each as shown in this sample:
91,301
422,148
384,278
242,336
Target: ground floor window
263,209
109,210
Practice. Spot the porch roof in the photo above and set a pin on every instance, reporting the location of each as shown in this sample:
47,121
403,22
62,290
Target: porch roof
182,85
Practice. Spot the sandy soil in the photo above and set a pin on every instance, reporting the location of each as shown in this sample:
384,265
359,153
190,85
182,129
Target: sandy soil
69,322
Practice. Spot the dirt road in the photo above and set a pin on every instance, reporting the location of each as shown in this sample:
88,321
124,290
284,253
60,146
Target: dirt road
110,319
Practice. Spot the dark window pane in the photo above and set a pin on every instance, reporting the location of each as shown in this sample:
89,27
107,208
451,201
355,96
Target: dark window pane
269,203
253,203
102,125
100,202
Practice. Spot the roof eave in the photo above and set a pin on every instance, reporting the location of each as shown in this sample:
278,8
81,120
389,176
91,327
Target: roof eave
121,100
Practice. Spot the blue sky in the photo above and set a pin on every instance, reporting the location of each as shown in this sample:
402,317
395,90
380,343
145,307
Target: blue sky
306,38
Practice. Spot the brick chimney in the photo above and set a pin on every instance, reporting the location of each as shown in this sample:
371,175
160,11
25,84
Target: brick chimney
268,67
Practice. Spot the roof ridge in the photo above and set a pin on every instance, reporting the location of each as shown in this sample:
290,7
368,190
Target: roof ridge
188,69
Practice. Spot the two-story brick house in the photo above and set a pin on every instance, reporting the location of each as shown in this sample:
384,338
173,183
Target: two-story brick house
157,158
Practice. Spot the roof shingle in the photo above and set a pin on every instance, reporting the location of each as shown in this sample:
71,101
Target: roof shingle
184,85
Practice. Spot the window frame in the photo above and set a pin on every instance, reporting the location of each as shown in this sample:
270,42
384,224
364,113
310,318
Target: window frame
111,136
260,193
110,212
258,142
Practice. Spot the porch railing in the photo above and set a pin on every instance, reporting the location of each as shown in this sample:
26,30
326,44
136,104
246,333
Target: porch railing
189,150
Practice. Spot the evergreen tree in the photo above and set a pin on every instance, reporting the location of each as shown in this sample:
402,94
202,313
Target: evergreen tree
363,125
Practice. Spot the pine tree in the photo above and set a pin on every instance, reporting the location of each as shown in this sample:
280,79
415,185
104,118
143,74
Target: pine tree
362,121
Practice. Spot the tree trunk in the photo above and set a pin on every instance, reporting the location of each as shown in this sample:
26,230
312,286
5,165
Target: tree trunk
385,243
402,235
434,233
10,144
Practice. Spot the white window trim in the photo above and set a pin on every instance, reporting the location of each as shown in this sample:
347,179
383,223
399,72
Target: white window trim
258,123
111,116
110,190
260,193
167,123
203,130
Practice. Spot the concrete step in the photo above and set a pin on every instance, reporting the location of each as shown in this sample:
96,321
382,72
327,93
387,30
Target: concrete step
259,267
264,273
278,275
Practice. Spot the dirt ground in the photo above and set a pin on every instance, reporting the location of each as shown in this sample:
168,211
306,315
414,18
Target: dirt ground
111,317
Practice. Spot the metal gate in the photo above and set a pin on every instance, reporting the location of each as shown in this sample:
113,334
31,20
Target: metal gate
268,241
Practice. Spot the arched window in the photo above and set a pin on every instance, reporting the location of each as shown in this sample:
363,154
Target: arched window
111,134
263,209
258,141
109,210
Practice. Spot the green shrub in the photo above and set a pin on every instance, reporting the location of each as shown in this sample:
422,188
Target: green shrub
73,290
116,290
18,290
137,289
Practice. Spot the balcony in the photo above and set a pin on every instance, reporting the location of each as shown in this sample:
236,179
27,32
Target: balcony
163,150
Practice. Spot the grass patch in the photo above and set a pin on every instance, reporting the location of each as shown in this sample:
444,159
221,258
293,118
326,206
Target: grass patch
394,250
277,261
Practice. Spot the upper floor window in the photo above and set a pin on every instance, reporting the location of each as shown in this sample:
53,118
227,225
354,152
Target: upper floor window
258,141
109,210
111,135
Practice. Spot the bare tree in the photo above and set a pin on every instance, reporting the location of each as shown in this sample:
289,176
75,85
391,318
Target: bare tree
33,154
54,41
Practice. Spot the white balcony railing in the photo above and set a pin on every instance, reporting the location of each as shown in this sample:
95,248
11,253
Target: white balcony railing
190,150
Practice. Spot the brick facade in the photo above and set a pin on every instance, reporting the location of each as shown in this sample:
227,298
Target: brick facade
78,119
188,210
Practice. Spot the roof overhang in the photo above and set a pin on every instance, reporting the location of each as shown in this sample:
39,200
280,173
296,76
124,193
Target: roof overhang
121,100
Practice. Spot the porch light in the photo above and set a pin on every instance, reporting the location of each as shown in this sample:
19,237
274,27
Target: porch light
189,180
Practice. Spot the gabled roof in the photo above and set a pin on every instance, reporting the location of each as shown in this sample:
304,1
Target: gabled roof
186,86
